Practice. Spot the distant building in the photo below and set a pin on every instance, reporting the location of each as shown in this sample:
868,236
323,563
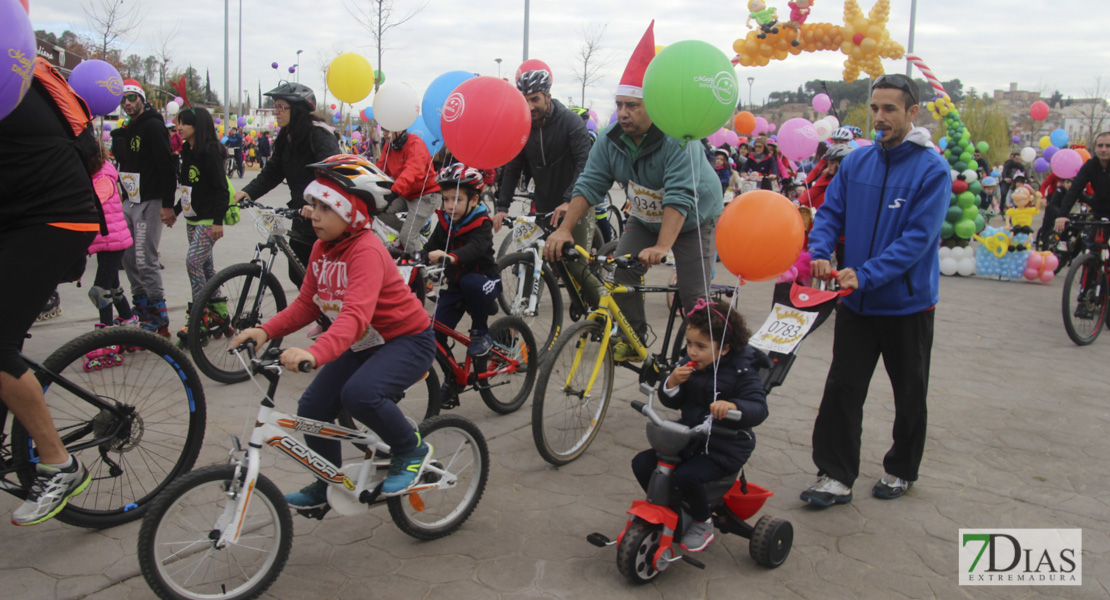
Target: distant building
1016,96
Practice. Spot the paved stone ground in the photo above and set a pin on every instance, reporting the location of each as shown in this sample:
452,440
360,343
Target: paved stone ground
1017,438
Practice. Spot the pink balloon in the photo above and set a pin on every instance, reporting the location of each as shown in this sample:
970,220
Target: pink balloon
731,138
1047,276
822,103
760,126
798,139
862,142
1066,163
772,127
1052,262
717,138
1030,274
1035,260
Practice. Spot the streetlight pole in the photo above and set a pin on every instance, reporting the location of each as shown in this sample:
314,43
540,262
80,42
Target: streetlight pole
751,80
227,73
526,2
297,67
241,57
498,61
909,47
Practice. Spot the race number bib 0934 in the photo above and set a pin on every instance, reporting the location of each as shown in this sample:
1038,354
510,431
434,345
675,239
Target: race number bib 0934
646,204
130,184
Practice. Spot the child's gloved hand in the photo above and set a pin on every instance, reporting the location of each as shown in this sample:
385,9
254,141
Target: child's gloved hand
681,373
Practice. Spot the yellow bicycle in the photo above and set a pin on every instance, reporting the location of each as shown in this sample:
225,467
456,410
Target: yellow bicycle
576,378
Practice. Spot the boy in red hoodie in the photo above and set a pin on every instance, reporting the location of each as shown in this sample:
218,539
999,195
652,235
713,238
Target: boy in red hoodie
380,341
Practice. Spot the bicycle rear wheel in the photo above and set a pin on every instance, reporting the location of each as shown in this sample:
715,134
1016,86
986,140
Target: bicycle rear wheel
566,416
516,272
513,364
177,552
616,221
235,299
153,437
460,464
1085,299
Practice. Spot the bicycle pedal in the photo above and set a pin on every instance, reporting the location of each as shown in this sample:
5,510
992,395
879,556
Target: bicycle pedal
314,513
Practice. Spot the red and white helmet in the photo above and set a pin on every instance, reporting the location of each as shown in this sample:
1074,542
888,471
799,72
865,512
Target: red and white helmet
358,177
460,175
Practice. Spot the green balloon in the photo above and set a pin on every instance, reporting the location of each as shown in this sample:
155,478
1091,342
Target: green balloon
955,214
952,201
960,166
983,146
948,155
980,224
379,77
970,213
975,187
946,230
690,89
967,157
965,229
966,200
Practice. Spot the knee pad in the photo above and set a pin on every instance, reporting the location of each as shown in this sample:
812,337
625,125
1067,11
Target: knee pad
100,297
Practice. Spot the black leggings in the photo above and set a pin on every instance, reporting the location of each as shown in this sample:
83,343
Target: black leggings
689,477
32,260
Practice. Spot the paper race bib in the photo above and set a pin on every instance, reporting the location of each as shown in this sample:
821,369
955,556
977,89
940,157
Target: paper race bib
369,338
646,204
184,195
405,271
783,330
525,231
130,184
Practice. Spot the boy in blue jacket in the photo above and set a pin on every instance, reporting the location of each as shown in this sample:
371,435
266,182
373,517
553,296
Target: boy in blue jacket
899,194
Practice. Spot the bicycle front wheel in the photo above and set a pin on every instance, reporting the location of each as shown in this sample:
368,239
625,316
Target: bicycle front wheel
567,412
510,366
1085,296
152,436
177,542
450,486
236,298
517,280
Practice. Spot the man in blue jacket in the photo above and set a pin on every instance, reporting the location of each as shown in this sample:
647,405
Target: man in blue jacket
889,201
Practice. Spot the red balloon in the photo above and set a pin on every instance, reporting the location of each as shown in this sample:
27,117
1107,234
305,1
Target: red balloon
25,6
485,122
759,235
959,186
333,107
1039,110
533,64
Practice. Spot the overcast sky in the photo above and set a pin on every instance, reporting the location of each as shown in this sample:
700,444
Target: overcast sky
985,43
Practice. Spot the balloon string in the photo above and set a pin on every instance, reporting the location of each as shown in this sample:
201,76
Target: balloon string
704,279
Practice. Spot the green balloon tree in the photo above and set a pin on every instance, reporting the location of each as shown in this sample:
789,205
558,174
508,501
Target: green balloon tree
964,219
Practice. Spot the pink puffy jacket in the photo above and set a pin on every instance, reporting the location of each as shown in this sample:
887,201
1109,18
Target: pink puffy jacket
119,236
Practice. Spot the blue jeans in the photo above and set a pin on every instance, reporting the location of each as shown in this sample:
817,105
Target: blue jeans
365,384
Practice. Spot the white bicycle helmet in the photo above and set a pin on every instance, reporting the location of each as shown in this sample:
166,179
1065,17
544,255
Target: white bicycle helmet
358,176
842,134
459,174
837,152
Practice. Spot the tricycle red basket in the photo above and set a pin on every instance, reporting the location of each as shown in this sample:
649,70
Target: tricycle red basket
746,505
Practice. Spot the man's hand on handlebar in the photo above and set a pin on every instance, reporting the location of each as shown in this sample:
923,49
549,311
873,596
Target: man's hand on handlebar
553,248
1061,224
653,255
558,214
256,334
292,358
240,195
499,220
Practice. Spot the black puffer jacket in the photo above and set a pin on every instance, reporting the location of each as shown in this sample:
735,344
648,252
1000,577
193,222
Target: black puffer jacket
738,382
555,155
288,164
471,244
143,147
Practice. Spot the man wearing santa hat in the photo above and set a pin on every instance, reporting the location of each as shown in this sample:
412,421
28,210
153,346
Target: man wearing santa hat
675,197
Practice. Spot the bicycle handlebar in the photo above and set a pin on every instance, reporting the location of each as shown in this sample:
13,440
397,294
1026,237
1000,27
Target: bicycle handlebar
288,213
570,249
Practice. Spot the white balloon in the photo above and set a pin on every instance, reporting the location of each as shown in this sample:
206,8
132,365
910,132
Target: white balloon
970,176
833,122
966,266
396,106
1028,155
955,174
944,252
957,253
172,107
824,130
949,266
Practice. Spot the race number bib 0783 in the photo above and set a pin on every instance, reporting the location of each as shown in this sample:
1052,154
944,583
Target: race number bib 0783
646,204
783,330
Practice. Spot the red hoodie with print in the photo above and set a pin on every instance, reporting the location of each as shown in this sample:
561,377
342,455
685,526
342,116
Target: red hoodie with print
355,283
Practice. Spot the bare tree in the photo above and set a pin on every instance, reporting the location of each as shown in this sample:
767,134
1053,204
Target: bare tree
1092,113
378,17
591,60
163,51
109,20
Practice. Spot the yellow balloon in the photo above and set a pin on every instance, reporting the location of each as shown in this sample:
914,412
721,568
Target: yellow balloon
1045,142
350,77
659,48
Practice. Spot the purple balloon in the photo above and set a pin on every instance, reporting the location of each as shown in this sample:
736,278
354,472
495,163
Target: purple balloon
292,69
17,60
798,139
99,84
180,101
218,120
1041,165
1016,139
613,117
242,121
273,65
1066,163
107,127
1049,152
591,125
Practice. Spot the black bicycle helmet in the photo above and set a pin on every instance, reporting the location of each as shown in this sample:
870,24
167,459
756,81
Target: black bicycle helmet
294,93
531,82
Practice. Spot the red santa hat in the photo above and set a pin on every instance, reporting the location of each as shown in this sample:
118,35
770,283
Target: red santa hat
632,82
130,86
350,208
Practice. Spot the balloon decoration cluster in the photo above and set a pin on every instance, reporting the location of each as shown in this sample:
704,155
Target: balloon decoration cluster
963,220
958,261
864,39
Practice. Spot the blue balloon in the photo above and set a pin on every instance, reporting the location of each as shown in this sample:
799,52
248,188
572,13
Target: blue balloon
335,118
1059,138
421,129
368,112
943,143
435,97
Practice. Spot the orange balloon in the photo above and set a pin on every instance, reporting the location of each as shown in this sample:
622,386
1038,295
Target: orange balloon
1083,152
759,235
744,122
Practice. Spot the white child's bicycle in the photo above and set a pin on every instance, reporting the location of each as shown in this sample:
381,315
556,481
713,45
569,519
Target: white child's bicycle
225,531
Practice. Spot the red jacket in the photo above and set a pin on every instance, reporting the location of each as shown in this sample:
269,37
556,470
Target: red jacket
356,284
814,197
411,168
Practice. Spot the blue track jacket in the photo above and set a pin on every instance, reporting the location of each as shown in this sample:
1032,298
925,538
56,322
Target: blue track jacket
889,205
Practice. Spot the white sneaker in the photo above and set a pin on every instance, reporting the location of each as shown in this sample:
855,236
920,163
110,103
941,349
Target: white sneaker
826,492
50,491
890,487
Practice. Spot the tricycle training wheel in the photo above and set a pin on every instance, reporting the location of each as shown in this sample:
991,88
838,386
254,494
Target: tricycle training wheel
771,540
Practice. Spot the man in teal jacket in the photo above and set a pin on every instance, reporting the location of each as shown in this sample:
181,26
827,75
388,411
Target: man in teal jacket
675,200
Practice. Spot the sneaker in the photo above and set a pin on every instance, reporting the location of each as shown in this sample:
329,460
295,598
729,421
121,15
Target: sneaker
50,491
890,487
698,536
132,322
826,492
405,468
313,495
480,343
624,352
